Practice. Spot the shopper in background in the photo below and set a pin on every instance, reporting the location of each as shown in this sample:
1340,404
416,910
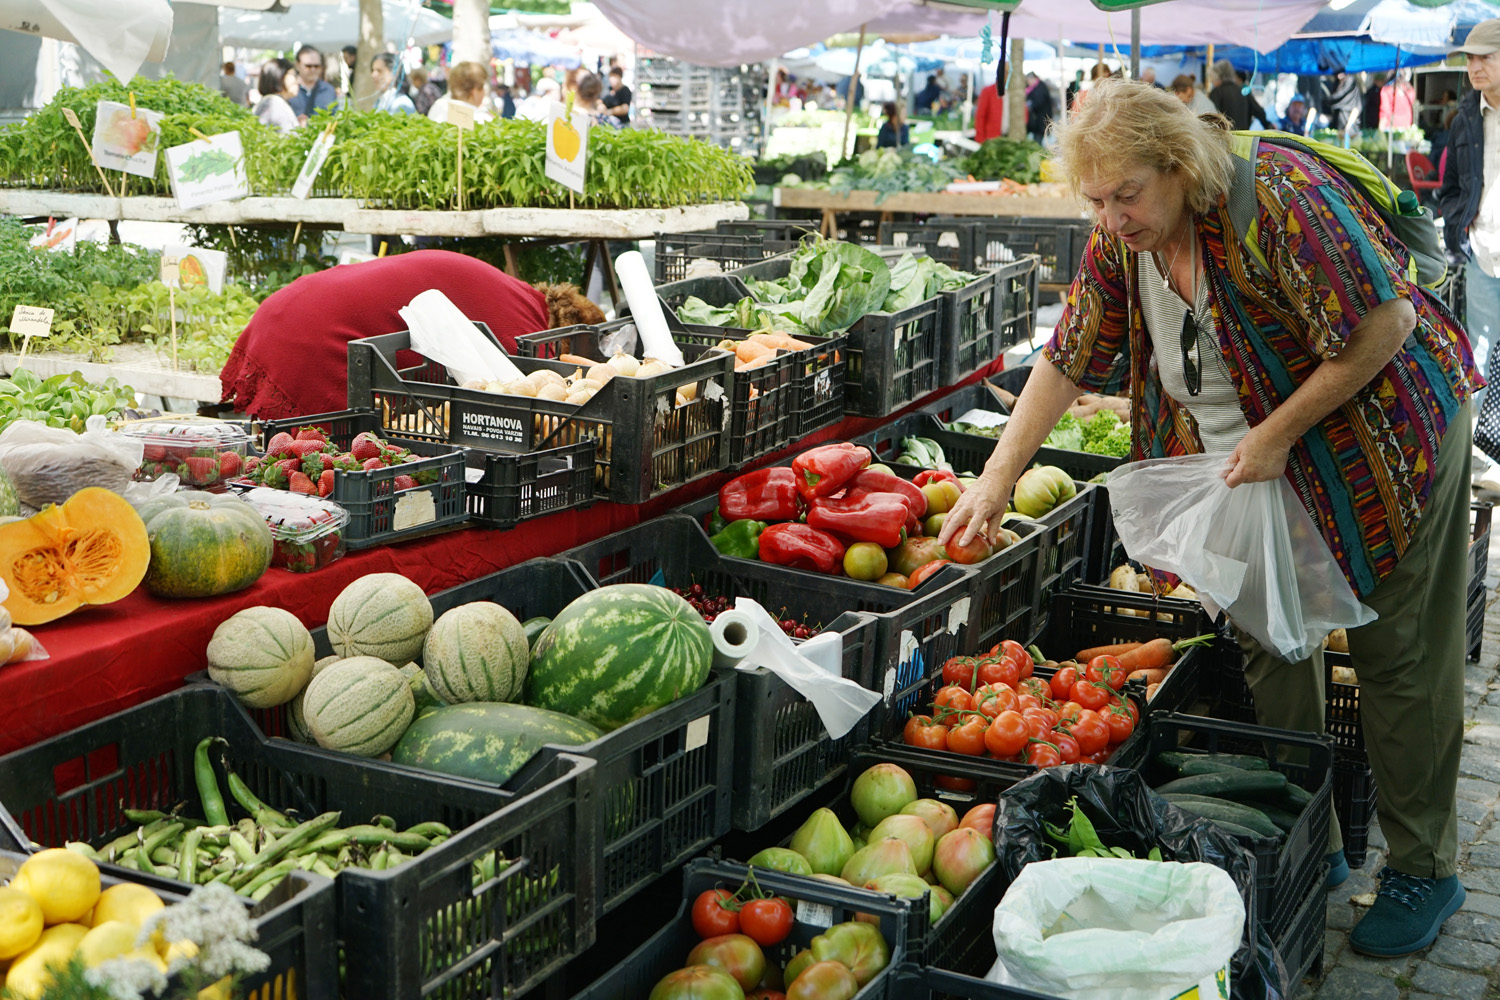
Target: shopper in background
1074,88
313,92
989,115
232,87
388,97
1369,113
617,99
1186,89
466,83
1332,371
1148,75
537,105
893,131
1038,106
1398,102
590,90
283,365
1295,120
1231,100
1468,196
278,84
1341,102
927,98
424,93
505,101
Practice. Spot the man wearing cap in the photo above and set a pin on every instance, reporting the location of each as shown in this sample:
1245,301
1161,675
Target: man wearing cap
1470,197
1295,118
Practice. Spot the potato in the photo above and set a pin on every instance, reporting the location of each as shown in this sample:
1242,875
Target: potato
1337,641
1124,578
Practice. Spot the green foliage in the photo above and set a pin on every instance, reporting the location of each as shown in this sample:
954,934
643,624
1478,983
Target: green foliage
65,400
1017,159
264,259
889,171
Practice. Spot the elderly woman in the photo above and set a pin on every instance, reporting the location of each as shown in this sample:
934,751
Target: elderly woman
1321,363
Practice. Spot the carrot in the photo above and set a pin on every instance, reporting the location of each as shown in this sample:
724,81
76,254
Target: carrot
781,340
574,359
1151,691
1149,676
1158,653
1118,649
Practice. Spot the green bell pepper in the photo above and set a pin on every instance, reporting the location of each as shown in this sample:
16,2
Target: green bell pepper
716,522
740,539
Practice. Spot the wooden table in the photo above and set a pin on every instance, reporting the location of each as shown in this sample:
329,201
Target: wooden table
831,203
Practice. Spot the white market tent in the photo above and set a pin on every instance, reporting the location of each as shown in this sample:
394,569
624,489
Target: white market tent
328,26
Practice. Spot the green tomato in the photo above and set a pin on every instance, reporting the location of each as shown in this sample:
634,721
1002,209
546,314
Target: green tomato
933,526
865,561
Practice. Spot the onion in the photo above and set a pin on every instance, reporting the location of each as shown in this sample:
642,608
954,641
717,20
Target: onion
475,383
690,391
520,387
623,363
652,367
556,393
601,374
580,397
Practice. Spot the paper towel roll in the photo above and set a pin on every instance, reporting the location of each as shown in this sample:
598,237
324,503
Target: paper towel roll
734,635
645,309
121,34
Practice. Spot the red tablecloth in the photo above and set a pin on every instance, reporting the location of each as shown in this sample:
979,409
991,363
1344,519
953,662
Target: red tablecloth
106,659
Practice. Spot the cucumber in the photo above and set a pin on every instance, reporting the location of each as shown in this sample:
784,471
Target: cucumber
1205,763
1295,796
1229,784
1219,810
533,627
1278,814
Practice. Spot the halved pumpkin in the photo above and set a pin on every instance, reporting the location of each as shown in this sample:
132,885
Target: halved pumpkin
91,550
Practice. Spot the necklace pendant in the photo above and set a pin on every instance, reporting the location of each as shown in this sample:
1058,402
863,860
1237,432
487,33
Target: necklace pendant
1166,283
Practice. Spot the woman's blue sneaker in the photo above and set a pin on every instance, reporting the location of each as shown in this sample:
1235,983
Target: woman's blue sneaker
1338,870
1408,914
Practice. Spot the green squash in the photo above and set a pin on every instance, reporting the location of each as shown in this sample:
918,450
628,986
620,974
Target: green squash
204,544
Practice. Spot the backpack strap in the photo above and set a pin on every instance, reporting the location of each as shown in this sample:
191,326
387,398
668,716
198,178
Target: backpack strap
1243,205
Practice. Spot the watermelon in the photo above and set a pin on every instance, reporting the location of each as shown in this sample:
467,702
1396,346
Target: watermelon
360,706
421,691
485,741
380,614
476,652
534,627
619,653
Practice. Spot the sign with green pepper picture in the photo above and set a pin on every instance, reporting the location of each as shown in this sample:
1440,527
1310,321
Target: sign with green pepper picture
208,170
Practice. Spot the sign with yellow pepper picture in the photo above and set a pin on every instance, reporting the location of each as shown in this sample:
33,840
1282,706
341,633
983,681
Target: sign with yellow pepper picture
567,146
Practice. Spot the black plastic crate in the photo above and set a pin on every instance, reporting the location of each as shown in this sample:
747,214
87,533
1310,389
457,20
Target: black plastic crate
971,338
417,929
1084,616
717,290
294,927
1301,945
510,489
1474,623
947,243
974,396
378,512
782,752
1479,546
1286,870
1057,243
812,902
645,442
1354,801
675,250
1016,301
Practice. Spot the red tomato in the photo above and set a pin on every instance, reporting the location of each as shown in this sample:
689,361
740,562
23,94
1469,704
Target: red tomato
990,700
921,573
955,699
1025,701
1067,746
1045,713
1121,725
1007,734
921,731
1091,732
1037,726
954,784
1068,711
1062,682
1089,695
961,670
982,819
711,918
1000,670
767,922
968,739
1012,648
1042,755
1036,687
1106,669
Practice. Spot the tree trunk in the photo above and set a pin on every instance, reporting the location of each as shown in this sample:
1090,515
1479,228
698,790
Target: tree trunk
1015,90
471,31
371,41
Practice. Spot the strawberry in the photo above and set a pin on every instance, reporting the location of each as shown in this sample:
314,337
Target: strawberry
405,482
289,466
329,461
251,464
311,434
280,444
201,470
325,483
298,483
371,464
366,445
155,452
312,466
230,464
303,448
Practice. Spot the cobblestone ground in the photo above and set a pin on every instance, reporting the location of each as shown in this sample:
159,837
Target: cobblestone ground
1464,962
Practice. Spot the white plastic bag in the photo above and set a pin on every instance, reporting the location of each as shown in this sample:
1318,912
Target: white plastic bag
1251,551
50,464
441,332
1117,929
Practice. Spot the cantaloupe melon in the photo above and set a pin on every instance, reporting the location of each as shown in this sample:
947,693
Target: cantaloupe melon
476,652
263,654
360,705
382,614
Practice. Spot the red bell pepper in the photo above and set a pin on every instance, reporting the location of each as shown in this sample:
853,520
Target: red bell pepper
822,472
877,517
801,547
936,475
875,481
762,495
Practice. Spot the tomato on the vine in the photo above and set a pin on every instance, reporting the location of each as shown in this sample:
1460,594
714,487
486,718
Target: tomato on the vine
961,671
1068,711
968,739
1089,695
1043,712
1000,670
1041,754
1067,746
992,699
921,731
1121,725
1036,687
767,922
1091,732
1106,669
1020,653
711,917
1007,734
1062,683
953,698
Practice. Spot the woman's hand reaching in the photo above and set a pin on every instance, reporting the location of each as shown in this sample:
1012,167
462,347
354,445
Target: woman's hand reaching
983,502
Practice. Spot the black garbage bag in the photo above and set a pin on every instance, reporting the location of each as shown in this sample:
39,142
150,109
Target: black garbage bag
1125,814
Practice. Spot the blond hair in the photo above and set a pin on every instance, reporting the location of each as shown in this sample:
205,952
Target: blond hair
1127,124
467,79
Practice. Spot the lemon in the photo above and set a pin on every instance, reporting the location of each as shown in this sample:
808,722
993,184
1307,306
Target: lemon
20,922
218,991
65,884
109,939
180,949
29,973
128,903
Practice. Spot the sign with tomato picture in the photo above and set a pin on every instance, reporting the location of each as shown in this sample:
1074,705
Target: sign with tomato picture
126,138
567,146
